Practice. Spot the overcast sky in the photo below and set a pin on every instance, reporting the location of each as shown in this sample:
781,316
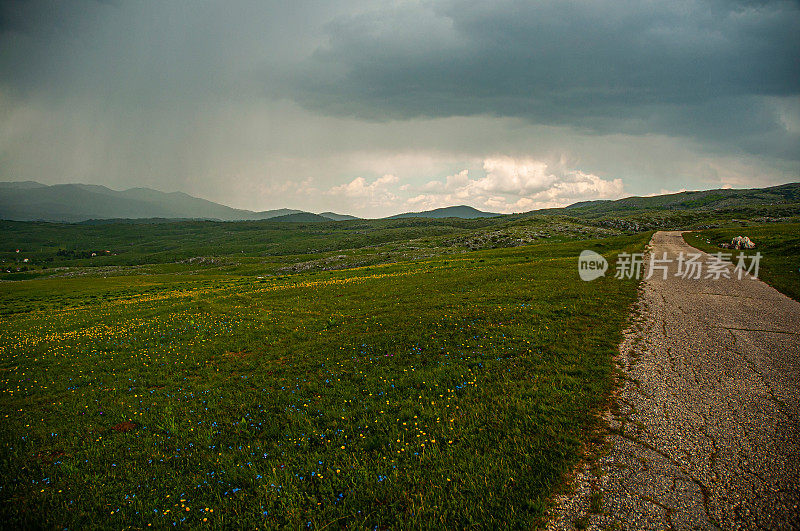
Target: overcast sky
374,108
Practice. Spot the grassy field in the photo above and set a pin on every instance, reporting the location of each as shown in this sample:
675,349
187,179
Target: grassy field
450,392
269,247
119,243
778,243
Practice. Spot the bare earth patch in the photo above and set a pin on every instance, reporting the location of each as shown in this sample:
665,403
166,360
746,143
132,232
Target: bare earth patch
123,427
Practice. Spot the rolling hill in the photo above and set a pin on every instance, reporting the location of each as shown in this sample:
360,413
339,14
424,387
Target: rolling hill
461,211
301,217
726,198
72,203
333,216
30,201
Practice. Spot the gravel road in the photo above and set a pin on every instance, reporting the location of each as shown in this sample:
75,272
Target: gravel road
706,430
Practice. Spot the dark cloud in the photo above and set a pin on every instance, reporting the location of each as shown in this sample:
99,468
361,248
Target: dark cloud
252,101
690,68
149,50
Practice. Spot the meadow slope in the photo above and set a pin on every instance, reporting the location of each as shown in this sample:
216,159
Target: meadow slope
453,391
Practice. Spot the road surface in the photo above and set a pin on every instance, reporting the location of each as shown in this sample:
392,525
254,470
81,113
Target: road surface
706,431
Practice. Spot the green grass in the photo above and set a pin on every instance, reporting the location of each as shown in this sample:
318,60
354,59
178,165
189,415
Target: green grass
448,392
119,243
269,247
778,243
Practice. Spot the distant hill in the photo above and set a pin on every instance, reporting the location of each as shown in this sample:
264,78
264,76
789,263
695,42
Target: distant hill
21,185
461,211
31,201
301,217
726,198
337,217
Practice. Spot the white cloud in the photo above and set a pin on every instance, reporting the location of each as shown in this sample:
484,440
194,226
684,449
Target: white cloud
516,185
513,176
372,199
451,183
577,185
664,191
359,187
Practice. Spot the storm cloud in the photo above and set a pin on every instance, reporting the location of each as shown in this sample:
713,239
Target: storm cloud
366,106
713,70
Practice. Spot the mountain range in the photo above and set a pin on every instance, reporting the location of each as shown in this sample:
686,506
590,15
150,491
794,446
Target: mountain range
71,203
32,201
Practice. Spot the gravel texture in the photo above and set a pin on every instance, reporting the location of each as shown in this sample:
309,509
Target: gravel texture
705,432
